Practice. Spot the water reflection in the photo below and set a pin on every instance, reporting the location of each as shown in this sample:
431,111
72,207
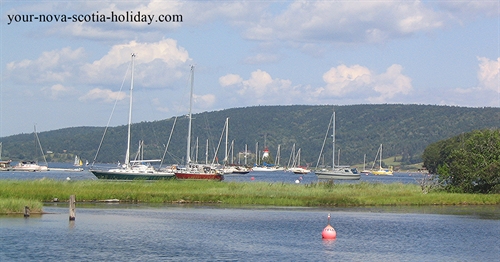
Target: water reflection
133,232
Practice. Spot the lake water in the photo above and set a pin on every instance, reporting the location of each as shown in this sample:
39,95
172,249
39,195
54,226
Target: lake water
58,173
138,232
126,232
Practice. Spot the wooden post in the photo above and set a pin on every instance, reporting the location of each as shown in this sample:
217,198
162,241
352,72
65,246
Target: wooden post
26,211
72,203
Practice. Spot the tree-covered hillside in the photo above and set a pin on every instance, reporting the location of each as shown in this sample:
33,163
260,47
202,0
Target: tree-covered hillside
404,131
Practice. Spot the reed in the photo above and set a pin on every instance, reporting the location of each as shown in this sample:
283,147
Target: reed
232,193
16,205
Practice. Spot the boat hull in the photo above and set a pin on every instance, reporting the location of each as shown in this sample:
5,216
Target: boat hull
110,175
337,175
199,176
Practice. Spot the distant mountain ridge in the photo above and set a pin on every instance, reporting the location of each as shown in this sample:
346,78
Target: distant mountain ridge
404,131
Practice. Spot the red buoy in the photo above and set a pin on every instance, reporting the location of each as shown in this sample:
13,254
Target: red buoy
329,232
252,178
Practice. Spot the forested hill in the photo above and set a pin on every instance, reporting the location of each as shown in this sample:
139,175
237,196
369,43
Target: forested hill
404,130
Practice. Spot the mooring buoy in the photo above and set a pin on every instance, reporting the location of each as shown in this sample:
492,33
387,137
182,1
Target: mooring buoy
329,232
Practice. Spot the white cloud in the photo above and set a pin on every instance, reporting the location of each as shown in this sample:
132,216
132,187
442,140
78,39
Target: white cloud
343,79
56,91
262,88
391,83
461,9
229,80
204,101
345,22
104,95
488,74
54,66
156,63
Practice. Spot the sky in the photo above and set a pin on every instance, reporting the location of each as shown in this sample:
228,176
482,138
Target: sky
67,63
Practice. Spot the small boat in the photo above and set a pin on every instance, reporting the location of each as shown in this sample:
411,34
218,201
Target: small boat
30,166
296,168
336,172
138,169
365,171
381,171
5,165
193,171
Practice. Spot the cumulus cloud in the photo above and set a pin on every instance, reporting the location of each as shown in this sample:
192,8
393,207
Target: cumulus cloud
105,95
157,65
261,87
163,59
345,22
343,80
204,101
488,73
465,9
349,83
56,91
229,80
50,67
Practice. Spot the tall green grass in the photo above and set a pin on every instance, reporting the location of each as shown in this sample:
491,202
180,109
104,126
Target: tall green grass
232,193
16,205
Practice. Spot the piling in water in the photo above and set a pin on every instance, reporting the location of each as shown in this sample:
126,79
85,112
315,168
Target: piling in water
72,203
26,211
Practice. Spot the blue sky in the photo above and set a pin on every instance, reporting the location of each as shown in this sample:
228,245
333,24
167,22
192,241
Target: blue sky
246,53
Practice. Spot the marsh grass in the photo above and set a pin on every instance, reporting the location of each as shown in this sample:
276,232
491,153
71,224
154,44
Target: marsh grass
16,205
232,193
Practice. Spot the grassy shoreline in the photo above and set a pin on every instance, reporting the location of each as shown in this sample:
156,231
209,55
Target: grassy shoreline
16,194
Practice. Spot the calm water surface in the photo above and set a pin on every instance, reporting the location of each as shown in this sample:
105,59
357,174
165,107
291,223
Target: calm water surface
126,232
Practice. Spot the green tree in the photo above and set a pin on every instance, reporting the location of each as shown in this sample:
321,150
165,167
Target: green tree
468,163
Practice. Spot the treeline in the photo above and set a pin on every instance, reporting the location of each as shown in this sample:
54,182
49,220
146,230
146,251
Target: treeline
404,130
467,163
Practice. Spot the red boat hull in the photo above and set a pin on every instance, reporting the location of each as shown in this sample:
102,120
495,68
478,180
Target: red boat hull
199,176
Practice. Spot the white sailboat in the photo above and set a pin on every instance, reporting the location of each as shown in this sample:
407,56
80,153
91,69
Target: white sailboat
381,171
133,169
336,172
194,171
32,166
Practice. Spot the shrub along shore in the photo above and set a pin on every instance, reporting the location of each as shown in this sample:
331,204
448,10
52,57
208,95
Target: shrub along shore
16,194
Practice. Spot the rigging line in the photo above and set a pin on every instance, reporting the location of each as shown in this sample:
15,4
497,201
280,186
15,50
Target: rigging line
40,145
324,142
111,116
218,145
168,142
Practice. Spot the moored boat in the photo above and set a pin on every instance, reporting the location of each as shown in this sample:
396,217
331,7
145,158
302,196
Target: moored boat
30,166
336,172
138,169
194,171
381,171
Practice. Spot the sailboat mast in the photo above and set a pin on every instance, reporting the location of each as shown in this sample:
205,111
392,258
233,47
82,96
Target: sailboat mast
127,154
227,131
380,163
188,150
333,141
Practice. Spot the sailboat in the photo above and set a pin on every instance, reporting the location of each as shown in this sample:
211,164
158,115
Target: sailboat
365,171
4,164
336,172
78,162
32,166
194,171
381,171
133,169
